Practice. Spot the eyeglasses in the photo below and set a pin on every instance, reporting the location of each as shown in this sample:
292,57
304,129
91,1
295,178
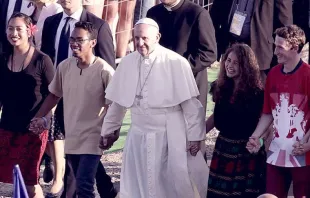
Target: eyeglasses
78,40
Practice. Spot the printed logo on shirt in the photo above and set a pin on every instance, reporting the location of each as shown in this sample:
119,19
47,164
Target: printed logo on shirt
289,127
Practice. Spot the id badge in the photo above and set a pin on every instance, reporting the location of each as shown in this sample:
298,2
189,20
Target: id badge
237,23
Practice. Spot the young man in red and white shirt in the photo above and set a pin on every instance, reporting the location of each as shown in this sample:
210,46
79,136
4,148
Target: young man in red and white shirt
287,106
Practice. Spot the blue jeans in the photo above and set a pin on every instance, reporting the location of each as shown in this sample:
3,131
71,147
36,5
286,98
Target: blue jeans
81,177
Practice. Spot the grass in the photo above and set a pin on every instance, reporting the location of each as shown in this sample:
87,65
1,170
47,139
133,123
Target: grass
212,75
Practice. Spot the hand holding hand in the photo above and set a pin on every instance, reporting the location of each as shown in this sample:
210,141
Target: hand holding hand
301,148
253,145
37,125
193,147
107,141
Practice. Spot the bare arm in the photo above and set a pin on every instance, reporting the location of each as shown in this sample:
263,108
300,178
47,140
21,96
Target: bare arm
263,124
254,143
48,104
39,122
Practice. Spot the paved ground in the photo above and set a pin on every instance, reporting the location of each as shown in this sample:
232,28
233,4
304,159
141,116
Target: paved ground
112,163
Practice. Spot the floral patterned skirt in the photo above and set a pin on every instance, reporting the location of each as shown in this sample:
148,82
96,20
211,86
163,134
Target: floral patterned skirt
57,130
26,150
234,172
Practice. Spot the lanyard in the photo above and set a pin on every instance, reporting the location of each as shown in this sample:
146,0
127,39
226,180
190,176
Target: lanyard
246,4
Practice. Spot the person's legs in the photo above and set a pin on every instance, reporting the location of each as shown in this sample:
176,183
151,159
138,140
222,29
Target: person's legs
146,5
278,181
124,28
58,149
58,158
30,170
35,191
104,184
49,171
109,14
72,165
96,7
85,175
301,181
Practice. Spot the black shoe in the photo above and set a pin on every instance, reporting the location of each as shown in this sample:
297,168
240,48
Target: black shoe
55,195
48,173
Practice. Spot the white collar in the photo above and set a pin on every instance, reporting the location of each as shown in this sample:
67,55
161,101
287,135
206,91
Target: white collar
76,15
169,8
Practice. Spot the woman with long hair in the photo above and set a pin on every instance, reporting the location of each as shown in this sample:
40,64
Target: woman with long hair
238,96
25,74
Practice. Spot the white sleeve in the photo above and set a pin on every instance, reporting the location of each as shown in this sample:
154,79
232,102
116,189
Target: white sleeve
113,119
194,115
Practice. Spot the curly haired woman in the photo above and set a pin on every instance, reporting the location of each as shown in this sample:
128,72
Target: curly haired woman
238,95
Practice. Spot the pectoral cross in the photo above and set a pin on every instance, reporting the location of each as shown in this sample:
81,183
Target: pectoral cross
139,98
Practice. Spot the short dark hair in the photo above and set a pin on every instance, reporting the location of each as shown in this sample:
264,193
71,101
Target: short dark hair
26,18
89,27
293,34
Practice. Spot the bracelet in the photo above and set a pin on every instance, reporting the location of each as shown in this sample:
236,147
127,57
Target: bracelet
45,121
261,141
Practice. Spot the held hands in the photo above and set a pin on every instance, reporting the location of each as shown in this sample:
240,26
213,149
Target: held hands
254,144
193,147
107,141
38,125
300,148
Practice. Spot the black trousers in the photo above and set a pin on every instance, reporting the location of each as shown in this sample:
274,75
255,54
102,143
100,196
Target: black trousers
104,184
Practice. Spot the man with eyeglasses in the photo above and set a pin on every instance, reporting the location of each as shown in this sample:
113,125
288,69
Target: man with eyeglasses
81,81
55,42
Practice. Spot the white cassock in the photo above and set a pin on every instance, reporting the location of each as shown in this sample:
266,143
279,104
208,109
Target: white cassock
156,163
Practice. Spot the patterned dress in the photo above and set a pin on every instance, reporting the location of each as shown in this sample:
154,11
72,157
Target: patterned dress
234,172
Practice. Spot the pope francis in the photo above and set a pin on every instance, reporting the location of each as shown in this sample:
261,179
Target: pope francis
162,157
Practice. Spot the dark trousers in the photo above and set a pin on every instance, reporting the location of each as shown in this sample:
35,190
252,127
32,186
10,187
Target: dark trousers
81,175
81,171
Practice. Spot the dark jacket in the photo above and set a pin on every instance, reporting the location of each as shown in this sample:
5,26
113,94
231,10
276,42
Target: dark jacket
301,15
267,16
187,30
4,44
104,48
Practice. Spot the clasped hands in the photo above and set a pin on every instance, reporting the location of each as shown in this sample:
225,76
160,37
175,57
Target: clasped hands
107,141
37,125
193,147
299,148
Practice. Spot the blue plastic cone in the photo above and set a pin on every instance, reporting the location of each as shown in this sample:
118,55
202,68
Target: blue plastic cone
19,184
